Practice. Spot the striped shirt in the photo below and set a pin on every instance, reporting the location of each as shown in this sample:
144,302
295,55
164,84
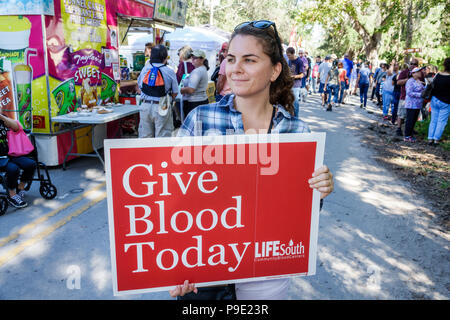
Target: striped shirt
221,118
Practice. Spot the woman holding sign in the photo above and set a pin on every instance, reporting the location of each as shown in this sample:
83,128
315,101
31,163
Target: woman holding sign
262,102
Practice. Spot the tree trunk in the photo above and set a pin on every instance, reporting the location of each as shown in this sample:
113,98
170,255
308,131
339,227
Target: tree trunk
409,30
371,48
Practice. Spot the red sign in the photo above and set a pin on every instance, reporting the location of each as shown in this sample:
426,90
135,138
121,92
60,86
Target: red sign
211,210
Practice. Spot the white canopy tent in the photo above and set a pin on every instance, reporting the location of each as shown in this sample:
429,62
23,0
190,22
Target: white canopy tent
198,38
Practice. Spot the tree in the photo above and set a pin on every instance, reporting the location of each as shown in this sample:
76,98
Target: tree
369,19
384,27
230,13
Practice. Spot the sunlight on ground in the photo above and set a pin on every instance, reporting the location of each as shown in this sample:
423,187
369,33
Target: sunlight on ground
100,272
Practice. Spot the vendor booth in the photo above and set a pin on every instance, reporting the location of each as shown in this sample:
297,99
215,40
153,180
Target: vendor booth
60,65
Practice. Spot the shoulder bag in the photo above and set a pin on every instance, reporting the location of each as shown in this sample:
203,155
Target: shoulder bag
426,93
18,142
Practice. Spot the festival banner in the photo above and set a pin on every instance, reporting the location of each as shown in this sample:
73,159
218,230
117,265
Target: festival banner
211,210
84,24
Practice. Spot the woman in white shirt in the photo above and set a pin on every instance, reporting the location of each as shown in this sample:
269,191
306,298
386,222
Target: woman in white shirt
196,84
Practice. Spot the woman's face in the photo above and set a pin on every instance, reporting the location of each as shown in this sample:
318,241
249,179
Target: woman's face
249,70
416,75
197,62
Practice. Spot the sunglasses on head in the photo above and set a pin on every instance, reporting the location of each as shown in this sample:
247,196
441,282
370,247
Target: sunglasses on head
263,24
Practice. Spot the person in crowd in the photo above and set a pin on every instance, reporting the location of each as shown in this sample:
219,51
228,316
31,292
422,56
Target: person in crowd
343,80
348,66
377,82
440,104
396,93
302,56
223,88
363,83
324,68
388,93
14,165
374,76
195,86
430,72
155,120
332,85
353,78
262,101
185,66
223,52
315,74
403,76
148,49
308,73
413,102
296,66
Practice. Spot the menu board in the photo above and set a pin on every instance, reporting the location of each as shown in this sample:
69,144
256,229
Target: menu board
172,11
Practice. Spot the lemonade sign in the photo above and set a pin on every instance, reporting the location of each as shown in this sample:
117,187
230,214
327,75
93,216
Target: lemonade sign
14,37
84,23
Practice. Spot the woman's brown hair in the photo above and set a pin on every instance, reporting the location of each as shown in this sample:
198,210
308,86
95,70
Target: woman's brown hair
280,89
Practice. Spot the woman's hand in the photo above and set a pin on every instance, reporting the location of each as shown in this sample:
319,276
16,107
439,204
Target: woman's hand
322,181
181,290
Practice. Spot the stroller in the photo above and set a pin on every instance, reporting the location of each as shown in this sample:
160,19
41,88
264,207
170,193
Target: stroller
47,189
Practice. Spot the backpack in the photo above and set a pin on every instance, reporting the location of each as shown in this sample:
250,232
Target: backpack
153,84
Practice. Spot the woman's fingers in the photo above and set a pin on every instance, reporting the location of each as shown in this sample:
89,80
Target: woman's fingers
175,292
181,290
322,181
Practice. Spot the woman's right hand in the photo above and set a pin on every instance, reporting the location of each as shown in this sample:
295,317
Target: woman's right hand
181,290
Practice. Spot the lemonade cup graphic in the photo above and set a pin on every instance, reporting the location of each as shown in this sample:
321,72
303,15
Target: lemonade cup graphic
109,87
24,76
66,97
14,38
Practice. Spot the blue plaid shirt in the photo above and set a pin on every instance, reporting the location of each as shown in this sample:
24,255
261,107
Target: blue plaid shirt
222,118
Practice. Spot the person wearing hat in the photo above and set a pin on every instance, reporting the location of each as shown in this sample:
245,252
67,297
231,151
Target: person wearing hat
413,102
155,120
196,84
222,86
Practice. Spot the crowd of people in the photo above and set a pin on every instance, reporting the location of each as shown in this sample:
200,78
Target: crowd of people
403,94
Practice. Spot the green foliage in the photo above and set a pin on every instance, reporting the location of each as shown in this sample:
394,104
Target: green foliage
422,130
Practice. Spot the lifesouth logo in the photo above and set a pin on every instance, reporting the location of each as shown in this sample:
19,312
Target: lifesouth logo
270,250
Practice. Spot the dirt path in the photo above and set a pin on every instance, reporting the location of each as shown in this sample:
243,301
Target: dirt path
380,236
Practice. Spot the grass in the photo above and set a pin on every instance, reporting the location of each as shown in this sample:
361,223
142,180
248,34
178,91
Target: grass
422,131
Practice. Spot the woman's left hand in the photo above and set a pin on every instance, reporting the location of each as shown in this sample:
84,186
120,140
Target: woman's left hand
322,181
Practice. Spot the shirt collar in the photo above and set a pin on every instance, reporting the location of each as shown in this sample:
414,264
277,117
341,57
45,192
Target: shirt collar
228,101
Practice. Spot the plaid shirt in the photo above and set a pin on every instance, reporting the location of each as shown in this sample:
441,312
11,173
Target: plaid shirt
222,118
